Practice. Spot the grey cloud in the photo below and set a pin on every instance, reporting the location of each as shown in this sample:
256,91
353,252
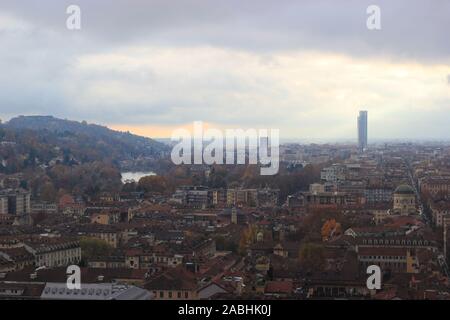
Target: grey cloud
38,63
410,29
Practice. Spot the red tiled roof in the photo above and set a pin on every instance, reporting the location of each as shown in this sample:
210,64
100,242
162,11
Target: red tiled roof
279,287
173,279
375,251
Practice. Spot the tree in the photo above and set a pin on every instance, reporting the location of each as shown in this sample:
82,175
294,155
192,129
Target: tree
330,228
312,257
217,178
226,244
153,184
247,237
92,248
48,192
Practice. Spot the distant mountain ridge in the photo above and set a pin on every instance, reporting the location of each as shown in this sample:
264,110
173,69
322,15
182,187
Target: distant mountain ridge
62,126
28,141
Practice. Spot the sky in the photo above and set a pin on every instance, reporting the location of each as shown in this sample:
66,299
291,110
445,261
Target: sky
303,67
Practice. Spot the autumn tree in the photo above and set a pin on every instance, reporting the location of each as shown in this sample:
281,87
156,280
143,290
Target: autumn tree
218,177
153,184
312,257
247,237
48,192
330,228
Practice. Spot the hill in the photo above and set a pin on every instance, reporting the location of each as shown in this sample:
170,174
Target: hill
141,145
41,140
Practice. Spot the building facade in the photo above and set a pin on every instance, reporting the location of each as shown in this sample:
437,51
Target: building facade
404,200
55,253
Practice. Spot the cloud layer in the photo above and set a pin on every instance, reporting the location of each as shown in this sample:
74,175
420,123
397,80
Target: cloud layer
305,67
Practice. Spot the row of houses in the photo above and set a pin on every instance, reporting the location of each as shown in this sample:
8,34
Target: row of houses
42,252
202,197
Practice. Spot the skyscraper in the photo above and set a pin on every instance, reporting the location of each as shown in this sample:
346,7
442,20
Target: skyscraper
362,130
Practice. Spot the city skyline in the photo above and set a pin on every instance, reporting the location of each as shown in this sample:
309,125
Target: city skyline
189,127
230,153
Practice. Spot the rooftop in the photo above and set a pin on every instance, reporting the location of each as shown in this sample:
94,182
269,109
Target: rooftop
404,189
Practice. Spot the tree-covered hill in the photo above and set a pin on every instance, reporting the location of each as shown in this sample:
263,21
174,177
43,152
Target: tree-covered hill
28,141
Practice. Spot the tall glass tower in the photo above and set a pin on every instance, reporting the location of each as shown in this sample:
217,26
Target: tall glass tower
362,130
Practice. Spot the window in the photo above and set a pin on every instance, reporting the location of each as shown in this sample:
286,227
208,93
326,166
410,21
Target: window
186,295
161,294
170,294
179,294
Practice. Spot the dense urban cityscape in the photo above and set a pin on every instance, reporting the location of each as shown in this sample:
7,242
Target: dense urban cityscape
209,232
224,159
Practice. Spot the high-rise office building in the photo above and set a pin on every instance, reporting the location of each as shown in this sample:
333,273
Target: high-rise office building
362,130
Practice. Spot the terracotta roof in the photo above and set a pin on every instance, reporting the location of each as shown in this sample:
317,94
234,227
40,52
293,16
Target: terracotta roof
381,251
285,287
88,275
18,254
173,279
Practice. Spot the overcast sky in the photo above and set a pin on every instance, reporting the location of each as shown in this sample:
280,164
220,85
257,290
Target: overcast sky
304,67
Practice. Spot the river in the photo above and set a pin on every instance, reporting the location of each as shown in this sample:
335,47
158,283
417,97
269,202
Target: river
136,176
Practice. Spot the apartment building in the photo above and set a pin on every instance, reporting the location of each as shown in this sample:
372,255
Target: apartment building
435,185
55,252
440,210
398,260
15,202
191,196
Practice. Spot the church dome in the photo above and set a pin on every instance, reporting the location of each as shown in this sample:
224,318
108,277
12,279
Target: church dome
404,189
